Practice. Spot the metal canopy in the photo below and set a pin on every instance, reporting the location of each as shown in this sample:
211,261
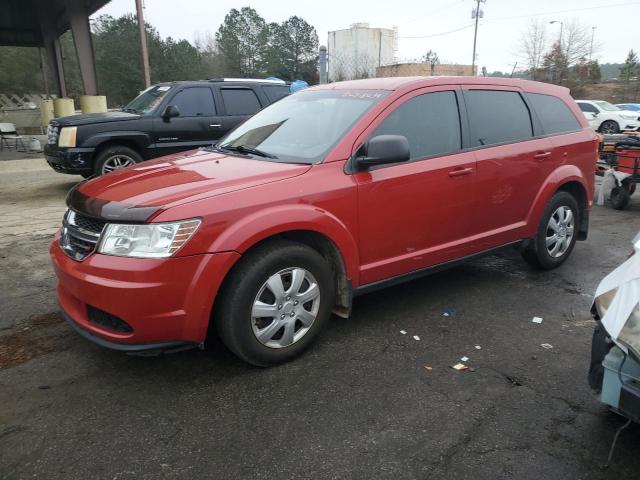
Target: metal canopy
20,24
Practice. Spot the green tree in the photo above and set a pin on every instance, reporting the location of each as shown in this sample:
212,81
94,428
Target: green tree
243,40
293,50
20,70
630,67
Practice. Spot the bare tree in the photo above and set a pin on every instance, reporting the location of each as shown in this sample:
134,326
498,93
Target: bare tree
576,42
533,44
432,59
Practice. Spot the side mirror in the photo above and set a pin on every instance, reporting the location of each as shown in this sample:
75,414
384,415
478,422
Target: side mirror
170,112
383,149
595,114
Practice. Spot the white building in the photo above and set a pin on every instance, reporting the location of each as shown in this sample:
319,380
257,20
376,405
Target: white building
356,52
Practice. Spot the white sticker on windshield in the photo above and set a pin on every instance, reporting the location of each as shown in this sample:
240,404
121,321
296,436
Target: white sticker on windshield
163,89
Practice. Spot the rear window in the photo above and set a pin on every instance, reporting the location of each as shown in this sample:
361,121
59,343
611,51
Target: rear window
555,115
497,117
275,92
240,101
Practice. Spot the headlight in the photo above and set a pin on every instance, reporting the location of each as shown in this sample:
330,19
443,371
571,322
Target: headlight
630,333
603,301
67,137
152,240
629,117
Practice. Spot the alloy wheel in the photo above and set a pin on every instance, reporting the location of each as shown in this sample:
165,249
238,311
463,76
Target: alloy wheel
285,307
116,162
560,230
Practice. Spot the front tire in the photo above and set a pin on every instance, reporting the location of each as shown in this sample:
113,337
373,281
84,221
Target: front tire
557,233
115,157
274,303
609,127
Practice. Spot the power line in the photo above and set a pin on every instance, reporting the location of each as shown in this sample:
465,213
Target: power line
439,34
495,19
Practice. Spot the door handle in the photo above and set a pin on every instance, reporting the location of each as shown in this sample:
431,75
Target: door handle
541,155
459,172
215,125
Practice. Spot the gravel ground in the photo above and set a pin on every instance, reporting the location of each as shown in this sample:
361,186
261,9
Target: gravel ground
359,404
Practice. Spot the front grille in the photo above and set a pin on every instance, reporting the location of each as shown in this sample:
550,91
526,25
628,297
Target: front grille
80,235
108,321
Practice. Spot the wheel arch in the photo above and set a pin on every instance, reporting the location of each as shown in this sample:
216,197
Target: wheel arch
137,141
314,227
567,178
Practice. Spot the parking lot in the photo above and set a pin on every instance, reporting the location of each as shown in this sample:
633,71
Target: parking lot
359,404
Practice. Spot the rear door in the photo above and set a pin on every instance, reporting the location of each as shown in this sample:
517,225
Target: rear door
194,127
512,162
416,214
239,103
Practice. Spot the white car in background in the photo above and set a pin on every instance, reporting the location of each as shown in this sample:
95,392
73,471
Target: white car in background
607,118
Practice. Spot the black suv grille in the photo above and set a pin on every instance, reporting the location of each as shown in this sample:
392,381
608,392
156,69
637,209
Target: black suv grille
80,235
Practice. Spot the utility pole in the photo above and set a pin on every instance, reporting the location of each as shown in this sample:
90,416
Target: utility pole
561,49
476,14
143,44
593,32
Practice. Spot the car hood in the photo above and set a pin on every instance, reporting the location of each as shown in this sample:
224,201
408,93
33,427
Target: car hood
139,192
93,118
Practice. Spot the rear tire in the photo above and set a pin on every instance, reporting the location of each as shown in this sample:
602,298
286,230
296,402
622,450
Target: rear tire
115,157
288,326
620,197
557,233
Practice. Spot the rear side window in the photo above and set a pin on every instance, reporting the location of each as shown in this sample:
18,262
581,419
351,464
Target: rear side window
275,92
497,117
554,114
194,102
587,107
431,123
240,101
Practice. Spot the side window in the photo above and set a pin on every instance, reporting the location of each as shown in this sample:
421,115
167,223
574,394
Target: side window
587,107
195,102
497,117
240,101
275,92
555,115
431,123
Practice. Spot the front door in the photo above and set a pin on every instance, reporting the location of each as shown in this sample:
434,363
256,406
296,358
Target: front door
197,124
416,214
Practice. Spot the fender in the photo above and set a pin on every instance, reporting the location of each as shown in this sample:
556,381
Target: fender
141,139
560,176
249,230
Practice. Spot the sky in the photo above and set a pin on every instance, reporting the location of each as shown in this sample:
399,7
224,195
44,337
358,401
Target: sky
499,32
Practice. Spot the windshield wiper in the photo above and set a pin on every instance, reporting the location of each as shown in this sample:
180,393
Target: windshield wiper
245,149
130,110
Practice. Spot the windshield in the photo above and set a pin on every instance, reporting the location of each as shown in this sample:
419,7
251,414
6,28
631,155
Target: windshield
607,106
148,100
303,127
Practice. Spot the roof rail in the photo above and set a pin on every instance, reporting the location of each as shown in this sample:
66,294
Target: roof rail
257,80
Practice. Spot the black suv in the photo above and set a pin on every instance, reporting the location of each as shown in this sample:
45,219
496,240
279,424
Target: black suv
166,118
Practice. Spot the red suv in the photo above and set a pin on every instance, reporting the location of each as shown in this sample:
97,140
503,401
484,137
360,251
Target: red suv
332,192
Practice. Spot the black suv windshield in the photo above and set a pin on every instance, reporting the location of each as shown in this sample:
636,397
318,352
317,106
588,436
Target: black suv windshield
303,127
148,100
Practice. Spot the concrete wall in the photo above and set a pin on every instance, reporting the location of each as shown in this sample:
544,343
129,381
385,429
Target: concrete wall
423,69
357,51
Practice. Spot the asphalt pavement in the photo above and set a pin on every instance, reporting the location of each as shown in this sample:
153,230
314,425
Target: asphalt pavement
365,402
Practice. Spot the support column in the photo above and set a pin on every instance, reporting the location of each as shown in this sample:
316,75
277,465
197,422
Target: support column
54,59
52,48
81,31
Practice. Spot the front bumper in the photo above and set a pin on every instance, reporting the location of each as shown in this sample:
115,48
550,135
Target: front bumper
75,161
165,302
